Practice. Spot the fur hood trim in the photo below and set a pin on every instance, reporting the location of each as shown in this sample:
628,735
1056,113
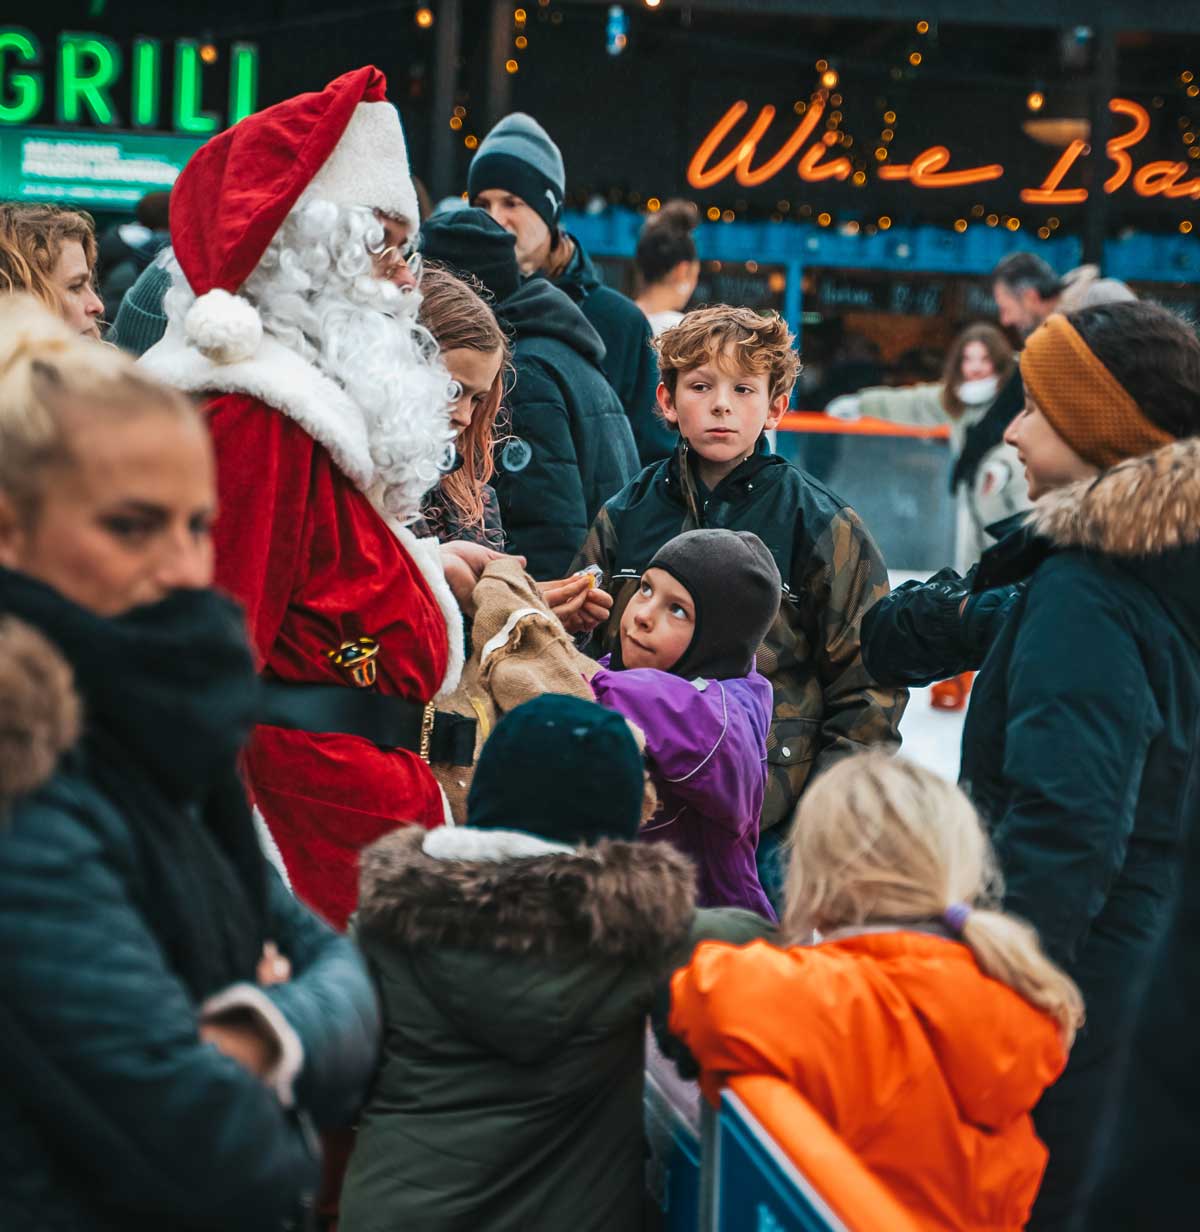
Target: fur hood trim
40,710
302,392
617,900
1144,506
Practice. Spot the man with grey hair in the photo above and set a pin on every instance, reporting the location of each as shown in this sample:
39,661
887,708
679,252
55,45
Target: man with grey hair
1027,290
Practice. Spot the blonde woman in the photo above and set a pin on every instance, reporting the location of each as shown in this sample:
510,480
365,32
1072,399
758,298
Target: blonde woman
50,252
919,1021
174,1021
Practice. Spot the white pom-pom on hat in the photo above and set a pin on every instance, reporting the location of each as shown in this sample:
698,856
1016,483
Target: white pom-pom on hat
225,328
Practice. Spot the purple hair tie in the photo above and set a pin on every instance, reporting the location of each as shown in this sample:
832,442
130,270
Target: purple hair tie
955,917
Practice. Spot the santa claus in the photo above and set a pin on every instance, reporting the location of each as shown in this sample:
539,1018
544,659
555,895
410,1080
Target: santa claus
295,315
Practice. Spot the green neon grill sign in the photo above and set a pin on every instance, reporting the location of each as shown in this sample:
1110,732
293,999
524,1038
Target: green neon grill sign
91,81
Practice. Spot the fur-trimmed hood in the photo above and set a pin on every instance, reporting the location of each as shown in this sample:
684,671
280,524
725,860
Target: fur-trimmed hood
1145,514
39,709
634,902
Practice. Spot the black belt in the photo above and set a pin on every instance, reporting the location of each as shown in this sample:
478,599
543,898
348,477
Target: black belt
389,722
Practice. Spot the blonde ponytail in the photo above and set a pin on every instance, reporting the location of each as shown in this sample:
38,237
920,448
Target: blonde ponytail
1008,950
880,840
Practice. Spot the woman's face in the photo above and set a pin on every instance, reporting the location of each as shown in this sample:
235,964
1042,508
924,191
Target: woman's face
71,277
128,521
476,373
976,362
1048,460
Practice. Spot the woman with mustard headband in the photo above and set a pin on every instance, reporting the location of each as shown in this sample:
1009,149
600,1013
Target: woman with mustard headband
1080,742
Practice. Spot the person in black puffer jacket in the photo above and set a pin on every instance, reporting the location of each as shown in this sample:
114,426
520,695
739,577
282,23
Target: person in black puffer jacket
175,1024
570,446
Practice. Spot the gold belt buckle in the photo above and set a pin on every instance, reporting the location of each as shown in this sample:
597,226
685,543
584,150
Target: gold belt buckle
427,716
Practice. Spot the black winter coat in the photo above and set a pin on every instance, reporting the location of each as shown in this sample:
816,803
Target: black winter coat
114,1115
570,445
1082,752
629,360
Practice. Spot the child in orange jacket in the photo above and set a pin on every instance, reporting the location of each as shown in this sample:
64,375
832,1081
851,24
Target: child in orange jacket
922,1025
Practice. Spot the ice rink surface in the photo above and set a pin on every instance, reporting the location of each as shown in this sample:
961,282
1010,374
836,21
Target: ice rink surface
931,737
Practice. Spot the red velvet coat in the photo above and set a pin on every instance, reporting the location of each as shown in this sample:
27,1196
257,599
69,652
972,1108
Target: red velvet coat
314,565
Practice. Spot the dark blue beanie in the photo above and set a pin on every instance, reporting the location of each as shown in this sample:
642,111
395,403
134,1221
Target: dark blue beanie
561,768
520,157
471,242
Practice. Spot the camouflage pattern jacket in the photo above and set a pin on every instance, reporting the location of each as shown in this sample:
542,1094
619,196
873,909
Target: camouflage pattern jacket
825,703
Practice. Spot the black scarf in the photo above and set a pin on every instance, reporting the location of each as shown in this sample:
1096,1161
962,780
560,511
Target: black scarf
169,695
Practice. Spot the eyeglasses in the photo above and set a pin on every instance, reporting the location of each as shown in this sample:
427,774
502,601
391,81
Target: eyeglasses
394,256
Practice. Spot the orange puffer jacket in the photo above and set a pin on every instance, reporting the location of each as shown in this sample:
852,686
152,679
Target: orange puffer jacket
924,1066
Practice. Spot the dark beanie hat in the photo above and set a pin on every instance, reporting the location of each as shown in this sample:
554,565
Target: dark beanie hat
735,586
471,242
141,319
519,157
561,768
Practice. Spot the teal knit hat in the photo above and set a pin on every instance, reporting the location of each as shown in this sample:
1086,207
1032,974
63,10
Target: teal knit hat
141,319
519,157
564,769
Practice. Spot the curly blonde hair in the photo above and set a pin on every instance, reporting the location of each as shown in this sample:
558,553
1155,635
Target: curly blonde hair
737,338
31,242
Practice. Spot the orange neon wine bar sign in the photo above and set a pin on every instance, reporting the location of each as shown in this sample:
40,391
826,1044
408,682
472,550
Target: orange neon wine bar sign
932,168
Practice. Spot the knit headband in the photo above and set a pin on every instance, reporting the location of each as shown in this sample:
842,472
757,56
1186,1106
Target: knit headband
1086,405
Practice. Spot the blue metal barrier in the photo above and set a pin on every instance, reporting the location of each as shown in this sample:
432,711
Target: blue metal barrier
755,1187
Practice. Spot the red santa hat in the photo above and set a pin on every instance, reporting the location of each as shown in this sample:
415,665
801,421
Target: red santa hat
343,144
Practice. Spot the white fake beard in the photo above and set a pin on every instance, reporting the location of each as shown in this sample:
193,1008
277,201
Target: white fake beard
317,295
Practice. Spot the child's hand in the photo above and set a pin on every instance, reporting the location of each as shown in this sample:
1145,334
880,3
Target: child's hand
576,602
273,968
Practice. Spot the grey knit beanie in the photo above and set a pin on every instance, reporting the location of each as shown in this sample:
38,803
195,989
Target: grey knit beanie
519,157
141,319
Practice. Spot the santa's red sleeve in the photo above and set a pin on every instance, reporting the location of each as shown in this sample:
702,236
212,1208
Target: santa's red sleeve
258,541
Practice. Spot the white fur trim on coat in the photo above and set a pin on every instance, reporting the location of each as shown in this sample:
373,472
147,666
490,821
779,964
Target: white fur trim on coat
281,1078
369,166
282,379
301,391
466,843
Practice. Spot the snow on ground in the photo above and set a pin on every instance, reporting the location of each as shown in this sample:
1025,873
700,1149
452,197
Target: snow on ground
931,737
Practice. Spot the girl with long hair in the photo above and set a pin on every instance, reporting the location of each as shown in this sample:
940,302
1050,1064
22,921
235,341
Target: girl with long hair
918,1019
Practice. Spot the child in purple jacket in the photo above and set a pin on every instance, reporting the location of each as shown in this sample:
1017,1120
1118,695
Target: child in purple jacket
684,673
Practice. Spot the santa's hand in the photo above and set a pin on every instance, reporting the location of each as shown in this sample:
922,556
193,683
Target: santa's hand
463,563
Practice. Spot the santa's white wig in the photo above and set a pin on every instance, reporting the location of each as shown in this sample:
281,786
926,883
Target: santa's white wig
315,292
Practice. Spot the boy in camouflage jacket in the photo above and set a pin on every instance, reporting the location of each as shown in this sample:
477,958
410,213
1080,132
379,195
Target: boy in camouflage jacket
726,376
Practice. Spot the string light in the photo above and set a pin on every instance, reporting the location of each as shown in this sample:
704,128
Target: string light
470,141
208,53
800,106
977,211
993,220
424,17
960,225
511,66
824,218
728,216
914,58
889,117
1043,233
520,16
713,214
887,135
821,65
829,79
653,205
1187,77
653,4
884,222
456,122
1185,227
1035,100
1013,224
1052,223
1192,91
859,178
880,154
922,27
521,42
